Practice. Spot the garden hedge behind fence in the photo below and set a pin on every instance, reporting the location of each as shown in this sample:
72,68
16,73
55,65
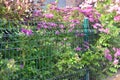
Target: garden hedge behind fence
29,53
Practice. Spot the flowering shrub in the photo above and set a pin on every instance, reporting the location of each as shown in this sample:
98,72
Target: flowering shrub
57,32
18,9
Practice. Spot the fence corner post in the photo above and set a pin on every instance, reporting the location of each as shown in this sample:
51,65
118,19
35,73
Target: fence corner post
85,28
87,75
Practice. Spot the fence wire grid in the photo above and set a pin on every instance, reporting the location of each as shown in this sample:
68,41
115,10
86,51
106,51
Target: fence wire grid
38,56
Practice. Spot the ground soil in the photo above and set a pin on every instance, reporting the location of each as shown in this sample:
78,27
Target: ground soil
115,76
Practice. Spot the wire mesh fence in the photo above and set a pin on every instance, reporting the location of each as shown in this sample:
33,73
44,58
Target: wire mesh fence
46,53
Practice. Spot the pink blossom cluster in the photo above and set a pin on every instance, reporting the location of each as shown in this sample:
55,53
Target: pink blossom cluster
93,17
37,13
115,7
27,32
79,34
91,13
69,13
117,18
116,55
72,15
46,25
51,25
84,47
50,15
78,48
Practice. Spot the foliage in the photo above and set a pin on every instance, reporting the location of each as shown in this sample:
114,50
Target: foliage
55,42
18,9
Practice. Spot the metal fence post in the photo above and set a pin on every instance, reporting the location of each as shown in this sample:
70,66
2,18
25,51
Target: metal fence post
85,28
86,39
87,75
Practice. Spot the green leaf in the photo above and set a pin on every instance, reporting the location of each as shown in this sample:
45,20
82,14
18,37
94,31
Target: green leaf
112,69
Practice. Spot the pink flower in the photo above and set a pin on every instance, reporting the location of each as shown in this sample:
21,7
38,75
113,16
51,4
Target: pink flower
117,18
45,26
39,26
37,13
61,26
108,55
86,46
78,49
52,24
88,10
78,34
75,21
82,34
117,52
57,32
49,15
116,61
107,30
52,7
27,32
96,25
91,19
104,30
